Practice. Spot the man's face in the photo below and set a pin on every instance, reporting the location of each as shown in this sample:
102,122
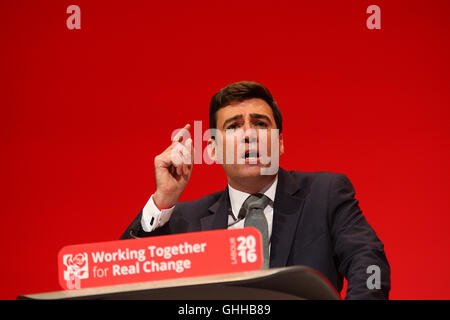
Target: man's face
248,130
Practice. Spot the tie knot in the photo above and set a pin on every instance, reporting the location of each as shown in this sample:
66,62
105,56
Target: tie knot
254,201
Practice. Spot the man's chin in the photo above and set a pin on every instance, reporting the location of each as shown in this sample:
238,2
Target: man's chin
249,170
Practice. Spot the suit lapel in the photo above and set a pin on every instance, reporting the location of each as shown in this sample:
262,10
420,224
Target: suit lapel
287,211
219,211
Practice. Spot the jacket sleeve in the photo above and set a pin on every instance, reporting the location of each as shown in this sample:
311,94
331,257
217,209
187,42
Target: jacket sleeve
135,230
358,250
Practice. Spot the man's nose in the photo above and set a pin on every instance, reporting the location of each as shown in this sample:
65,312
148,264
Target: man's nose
251,139
247,126
250,133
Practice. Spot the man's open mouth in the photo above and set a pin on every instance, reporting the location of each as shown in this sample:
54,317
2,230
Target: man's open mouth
251,155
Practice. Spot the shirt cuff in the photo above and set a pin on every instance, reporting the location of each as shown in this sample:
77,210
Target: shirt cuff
152,217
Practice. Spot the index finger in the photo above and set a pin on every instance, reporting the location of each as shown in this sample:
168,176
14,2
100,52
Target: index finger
178,137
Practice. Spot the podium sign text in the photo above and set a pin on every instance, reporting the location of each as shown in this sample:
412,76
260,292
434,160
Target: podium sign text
160,258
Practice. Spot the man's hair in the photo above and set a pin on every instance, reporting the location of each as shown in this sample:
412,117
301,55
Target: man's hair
240,91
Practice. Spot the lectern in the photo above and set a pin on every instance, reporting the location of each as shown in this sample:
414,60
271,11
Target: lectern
289,283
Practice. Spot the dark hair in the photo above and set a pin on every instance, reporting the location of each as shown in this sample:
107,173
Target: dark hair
240,91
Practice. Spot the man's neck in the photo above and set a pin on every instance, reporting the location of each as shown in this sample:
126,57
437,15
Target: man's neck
252,185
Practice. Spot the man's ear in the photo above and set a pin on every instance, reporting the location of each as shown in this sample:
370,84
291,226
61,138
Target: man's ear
281,144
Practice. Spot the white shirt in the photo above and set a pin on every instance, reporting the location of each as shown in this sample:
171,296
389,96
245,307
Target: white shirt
237,198
153,218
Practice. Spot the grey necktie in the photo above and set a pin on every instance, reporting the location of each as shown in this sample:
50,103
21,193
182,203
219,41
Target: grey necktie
253,211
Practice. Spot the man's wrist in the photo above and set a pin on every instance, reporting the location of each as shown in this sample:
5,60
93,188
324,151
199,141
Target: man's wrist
153,217
161,202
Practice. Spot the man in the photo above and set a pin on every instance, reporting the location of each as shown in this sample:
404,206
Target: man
309,219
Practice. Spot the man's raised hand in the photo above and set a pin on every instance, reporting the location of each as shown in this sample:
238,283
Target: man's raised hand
173,168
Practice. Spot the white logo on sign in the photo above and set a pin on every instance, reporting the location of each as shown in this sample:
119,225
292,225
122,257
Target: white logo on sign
77,266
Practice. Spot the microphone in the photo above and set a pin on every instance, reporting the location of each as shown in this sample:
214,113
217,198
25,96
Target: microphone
134,227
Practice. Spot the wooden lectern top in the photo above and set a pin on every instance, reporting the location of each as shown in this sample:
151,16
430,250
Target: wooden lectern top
289,283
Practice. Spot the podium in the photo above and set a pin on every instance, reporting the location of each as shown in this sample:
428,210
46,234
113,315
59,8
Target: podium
288,283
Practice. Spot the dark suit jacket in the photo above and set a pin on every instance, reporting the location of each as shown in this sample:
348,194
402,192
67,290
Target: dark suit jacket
317,223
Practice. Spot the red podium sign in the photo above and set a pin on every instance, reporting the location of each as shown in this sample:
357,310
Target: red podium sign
159,258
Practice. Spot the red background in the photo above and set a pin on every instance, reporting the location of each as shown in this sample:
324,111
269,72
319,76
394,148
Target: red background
84,112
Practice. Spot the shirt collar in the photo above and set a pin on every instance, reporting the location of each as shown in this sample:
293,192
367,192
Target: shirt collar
237,197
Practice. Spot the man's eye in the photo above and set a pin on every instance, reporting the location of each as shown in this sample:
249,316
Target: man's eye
261,124
232,127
